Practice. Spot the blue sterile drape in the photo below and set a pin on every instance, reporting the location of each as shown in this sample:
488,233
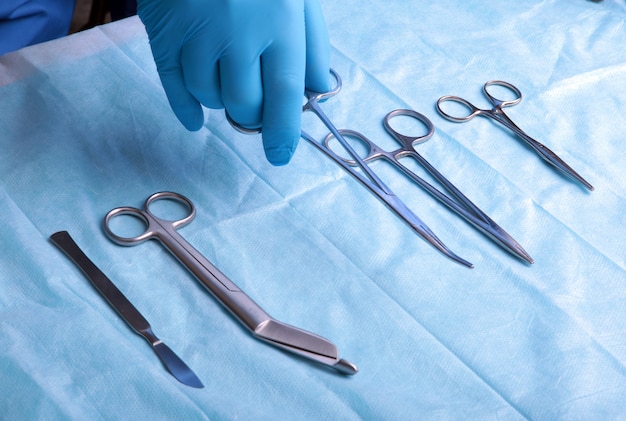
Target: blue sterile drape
85,127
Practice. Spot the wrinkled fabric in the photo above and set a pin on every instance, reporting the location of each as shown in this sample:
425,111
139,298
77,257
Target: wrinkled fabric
86,127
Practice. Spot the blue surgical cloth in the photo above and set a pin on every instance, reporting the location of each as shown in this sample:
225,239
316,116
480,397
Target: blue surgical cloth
85,127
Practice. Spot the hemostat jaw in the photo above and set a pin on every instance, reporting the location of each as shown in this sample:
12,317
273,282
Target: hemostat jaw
512,246
303,343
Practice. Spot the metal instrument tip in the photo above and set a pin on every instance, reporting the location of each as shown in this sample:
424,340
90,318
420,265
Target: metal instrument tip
346,367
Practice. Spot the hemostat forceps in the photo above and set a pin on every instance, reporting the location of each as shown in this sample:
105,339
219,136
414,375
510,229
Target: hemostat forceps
240,305
497,113
367,177
461,205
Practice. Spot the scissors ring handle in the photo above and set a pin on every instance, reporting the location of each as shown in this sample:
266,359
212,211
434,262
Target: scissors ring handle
473,111
176,197
371,150
408,141
153,224
239,127
148,233
313,96
499,103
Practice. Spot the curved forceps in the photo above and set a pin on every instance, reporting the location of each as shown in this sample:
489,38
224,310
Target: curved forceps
367,177
248,312
497,113
460,204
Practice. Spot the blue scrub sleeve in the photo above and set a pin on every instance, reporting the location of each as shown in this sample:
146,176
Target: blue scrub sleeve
27,22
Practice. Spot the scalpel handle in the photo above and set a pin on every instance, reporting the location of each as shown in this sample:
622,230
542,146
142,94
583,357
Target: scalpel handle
103,284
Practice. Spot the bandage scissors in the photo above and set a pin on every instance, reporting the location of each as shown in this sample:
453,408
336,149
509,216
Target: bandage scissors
497,113
367,177
248,312
461,205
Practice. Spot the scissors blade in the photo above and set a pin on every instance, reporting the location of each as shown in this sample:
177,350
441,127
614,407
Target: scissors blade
303,343
393,203
249,313
400,209
502,238
541,149
463,207
558,163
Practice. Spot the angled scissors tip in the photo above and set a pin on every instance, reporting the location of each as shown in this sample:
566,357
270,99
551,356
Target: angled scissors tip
303,343
346,367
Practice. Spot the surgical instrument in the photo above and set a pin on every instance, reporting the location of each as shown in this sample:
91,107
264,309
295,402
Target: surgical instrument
125,309
368,178
248,312
462,206
497,113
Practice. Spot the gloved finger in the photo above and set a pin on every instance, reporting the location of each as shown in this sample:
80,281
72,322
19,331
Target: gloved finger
200,68
283,66
317,48
242,89
167,60
186,108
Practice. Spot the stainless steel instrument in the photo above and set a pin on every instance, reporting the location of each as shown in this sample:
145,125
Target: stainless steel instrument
261,324
497,114
125,309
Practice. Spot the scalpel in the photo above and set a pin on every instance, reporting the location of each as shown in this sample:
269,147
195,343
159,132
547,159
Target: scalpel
125,309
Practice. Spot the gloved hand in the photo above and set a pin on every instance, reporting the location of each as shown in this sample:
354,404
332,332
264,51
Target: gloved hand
250,56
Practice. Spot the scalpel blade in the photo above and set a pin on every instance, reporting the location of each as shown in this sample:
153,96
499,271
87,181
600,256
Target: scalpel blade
176,366
125,309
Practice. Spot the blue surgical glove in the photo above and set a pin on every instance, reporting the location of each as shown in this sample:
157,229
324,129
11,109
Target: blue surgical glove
252,57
